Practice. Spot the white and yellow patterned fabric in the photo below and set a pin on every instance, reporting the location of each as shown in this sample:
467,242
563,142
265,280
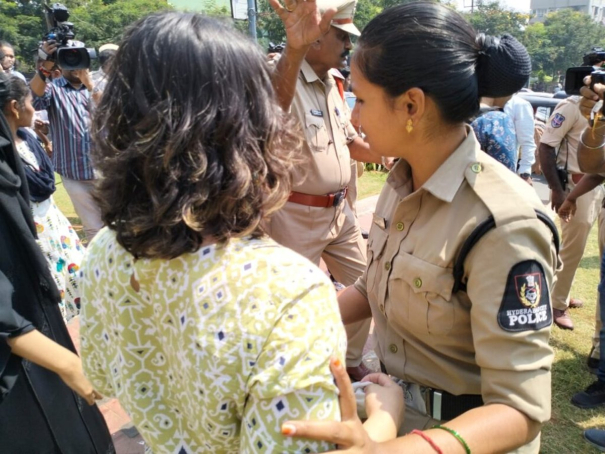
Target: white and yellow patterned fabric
214,350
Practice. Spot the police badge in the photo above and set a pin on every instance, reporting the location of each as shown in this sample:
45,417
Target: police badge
557,120
526,301
528,289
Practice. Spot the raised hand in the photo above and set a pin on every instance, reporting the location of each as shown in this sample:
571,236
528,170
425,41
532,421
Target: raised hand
303,22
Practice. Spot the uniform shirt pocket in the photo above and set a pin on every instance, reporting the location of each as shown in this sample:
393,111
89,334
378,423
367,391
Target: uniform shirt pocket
428,288
316,133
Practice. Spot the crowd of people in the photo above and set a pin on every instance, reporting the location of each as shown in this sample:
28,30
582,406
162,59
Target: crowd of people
211,180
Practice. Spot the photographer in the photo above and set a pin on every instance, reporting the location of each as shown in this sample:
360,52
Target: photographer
559,161
68,101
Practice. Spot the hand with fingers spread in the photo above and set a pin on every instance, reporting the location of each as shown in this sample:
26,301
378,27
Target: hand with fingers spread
350,434
303,21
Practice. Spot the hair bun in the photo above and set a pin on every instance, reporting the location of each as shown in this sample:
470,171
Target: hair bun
503,65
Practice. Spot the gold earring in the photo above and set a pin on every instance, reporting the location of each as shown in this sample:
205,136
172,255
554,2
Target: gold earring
409,127
17,115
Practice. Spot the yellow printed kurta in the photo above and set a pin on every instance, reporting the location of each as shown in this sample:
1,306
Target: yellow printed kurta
212,351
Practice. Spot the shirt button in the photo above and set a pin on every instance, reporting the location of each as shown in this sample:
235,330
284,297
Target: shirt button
400,226
417,282
476,167
393,348
387,266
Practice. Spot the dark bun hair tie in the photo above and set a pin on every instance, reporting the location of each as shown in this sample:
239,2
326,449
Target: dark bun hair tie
503,65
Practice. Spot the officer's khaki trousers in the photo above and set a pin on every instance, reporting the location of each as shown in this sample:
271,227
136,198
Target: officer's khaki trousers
574,235
334,235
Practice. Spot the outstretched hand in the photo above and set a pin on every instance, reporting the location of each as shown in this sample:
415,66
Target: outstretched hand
303,22
349,433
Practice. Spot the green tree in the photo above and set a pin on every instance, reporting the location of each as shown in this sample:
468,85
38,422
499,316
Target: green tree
494,19
569,35
96,22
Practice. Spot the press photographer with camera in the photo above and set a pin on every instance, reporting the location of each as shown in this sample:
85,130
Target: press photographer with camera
68,102
559,161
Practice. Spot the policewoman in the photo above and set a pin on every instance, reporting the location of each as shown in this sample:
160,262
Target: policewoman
460,256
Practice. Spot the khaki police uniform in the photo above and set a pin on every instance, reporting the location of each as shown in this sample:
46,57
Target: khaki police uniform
331,233
563,131
489,340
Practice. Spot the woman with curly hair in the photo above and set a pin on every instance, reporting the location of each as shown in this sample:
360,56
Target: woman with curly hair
208,332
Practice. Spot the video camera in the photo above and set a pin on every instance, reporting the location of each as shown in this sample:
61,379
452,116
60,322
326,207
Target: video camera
276,48
70,54
574,77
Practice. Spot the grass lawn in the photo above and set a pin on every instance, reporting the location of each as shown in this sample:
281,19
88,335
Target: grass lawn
370,183
563,434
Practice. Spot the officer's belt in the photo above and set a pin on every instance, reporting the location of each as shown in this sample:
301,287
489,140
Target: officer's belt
322,201
576,177
443,406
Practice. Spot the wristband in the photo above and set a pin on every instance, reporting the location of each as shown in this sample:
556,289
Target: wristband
456,435
428,440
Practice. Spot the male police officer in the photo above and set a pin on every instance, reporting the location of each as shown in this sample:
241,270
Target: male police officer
563,131
317,221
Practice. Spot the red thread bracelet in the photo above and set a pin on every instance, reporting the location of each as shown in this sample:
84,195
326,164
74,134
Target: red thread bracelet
428,440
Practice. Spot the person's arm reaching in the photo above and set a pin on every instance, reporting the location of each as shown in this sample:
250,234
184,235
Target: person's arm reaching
586,184
304,25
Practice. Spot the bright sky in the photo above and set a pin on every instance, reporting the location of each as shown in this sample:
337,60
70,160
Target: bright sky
517,5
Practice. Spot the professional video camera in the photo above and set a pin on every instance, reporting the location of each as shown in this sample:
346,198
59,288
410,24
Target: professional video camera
574,77
276,48
70,54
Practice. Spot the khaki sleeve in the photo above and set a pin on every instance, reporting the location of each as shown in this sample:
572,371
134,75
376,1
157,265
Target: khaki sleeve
510,325
350,132
559,124
361,285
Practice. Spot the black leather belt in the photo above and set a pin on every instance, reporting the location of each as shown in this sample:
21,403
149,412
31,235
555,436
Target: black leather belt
443,406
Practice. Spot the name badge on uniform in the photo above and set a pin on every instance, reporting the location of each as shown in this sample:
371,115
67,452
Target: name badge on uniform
317,113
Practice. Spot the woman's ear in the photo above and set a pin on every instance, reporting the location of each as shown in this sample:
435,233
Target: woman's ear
411,104
13,108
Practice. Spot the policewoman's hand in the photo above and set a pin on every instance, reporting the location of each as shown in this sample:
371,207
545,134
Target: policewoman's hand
303,22
348,434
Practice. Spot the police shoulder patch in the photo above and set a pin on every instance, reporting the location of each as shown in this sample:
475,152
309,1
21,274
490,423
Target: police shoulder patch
557,120
526,302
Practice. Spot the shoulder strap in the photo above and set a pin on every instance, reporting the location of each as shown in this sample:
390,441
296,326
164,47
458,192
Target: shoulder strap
478,233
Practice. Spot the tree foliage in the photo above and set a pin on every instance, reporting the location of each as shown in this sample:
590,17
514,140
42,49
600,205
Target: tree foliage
554,45
96,22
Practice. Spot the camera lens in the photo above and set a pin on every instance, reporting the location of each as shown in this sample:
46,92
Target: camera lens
71,57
